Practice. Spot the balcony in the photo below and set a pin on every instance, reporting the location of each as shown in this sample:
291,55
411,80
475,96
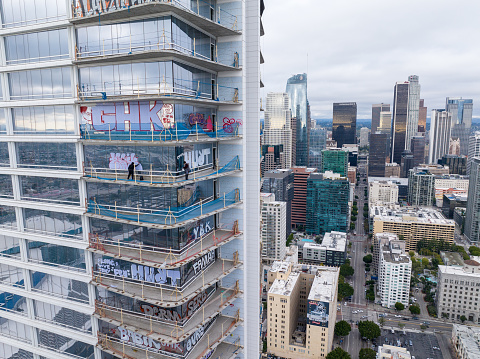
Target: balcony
162,330
161,257
164,219
178,133
226,24
164,88
163,296
160,48
212,340
162,178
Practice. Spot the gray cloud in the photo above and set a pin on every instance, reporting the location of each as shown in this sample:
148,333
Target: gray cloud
357,50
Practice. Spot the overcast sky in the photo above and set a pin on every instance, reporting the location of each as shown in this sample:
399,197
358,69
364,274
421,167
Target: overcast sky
357,50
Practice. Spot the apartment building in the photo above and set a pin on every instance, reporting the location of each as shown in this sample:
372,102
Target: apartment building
382,193
458,291
301,310
273,227
413,224
332,251
394,272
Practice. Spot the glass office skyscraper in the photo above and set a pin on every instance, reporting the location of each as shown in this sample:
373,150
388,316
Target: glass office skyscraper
461,112
127,229
297,92
399,121
344,129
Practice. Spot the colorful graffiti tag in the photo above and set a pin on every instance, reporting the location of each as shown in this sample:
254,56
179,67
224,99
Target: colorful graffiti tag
230,124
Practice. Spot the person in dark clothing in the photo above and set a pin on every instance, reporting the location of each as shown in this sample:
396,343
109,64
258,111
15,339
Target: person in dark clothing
131,169
186,168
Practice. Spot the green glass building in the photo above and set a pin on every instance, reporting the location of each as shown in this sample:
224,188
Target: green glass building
327,203
335,160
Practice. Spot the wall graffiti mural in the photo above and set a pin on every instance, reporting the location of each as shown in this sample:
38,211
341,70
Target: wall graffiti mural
129,115
230,124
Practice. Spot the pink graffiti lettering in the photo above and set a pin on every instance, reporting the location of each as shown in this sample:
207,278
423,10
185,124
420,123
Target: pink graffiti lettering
229,124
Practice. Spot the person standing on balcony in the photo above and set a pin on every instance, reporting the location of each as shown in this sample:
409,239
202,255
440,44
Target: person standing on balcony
131,170
186,168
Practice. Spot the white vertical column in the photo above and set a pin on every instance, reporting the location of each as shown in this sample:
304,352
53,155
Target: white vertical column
251,173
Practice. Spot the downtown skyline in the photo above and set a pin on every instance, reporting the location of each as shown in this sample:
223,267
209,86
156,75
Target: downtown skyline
360,58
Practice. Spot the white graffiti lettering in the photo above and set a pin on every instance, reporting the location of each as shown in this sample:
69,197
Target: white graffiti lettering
197,158
204,262
144,341
201,230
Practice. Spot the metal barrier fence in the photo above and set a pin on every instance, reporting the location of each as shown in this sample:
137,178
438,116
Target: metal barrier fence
166,217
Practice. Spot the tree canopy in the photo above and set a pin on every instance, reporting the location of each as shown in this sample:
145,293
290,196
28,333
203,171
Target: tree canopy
338,353
342,328
369,329
414,309
368,258
344,290
367,353
346,270
399,306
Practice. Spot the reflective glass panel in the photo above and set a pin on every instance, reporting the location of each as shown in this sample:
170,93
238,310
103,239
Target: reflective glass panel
8,217
14,303
13,352
37,84
60,287
6,188
24,12
43,120
9,246
11,275
48,189
63,344
55,255
4,157
3,121
58,156
62,316
12,329
37,46
53,223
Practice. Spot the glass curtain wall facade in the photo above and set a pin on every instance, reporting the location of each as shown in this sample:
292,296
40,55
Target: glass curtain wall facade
377,154
297,92
344,129
413,109
376,110
399,121
318,142
461,112
123,162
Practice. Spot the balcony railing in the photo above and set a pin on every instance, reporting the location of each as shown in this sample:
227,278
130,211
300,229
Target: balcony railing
162,177
166,217
178,132
152,42
158,86
165,257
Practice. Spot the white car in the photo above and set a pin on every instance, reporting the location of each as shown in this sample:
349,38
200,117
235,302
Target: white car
354,312
360,311
398,316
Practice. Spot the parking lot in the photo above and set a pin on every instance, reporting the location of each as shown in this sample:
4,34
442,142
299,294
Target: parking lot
420,345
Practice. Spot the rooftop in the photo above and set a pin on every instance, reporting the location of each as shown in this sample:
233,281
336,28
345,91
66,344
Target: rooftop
396,180
324,285
459,271
452,258
469,337
335,240
284,287
409,214
392,352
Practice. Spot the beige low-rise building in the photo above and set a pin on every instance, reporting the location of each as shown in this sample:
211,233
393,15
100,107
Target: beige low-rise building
301,310
466,341
392,352
458,291
413,224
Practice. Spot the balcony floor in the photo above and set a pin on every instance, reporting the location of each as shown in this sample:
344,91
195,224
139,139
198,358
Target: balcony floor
168,297
157,259
165,331
211,340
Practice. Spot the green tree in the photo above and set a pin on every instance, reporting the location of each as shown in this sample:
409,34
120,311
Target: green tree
463,318
368,258
369,329
474,251
425,262
289,239
414,309
367,353
411,254
342,328
352,226
399,306
338,353
353,218
346,270
344,290
423,327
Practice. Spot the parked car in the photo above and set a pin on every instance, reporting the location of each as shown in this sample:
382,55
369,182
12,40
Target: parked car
397,316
